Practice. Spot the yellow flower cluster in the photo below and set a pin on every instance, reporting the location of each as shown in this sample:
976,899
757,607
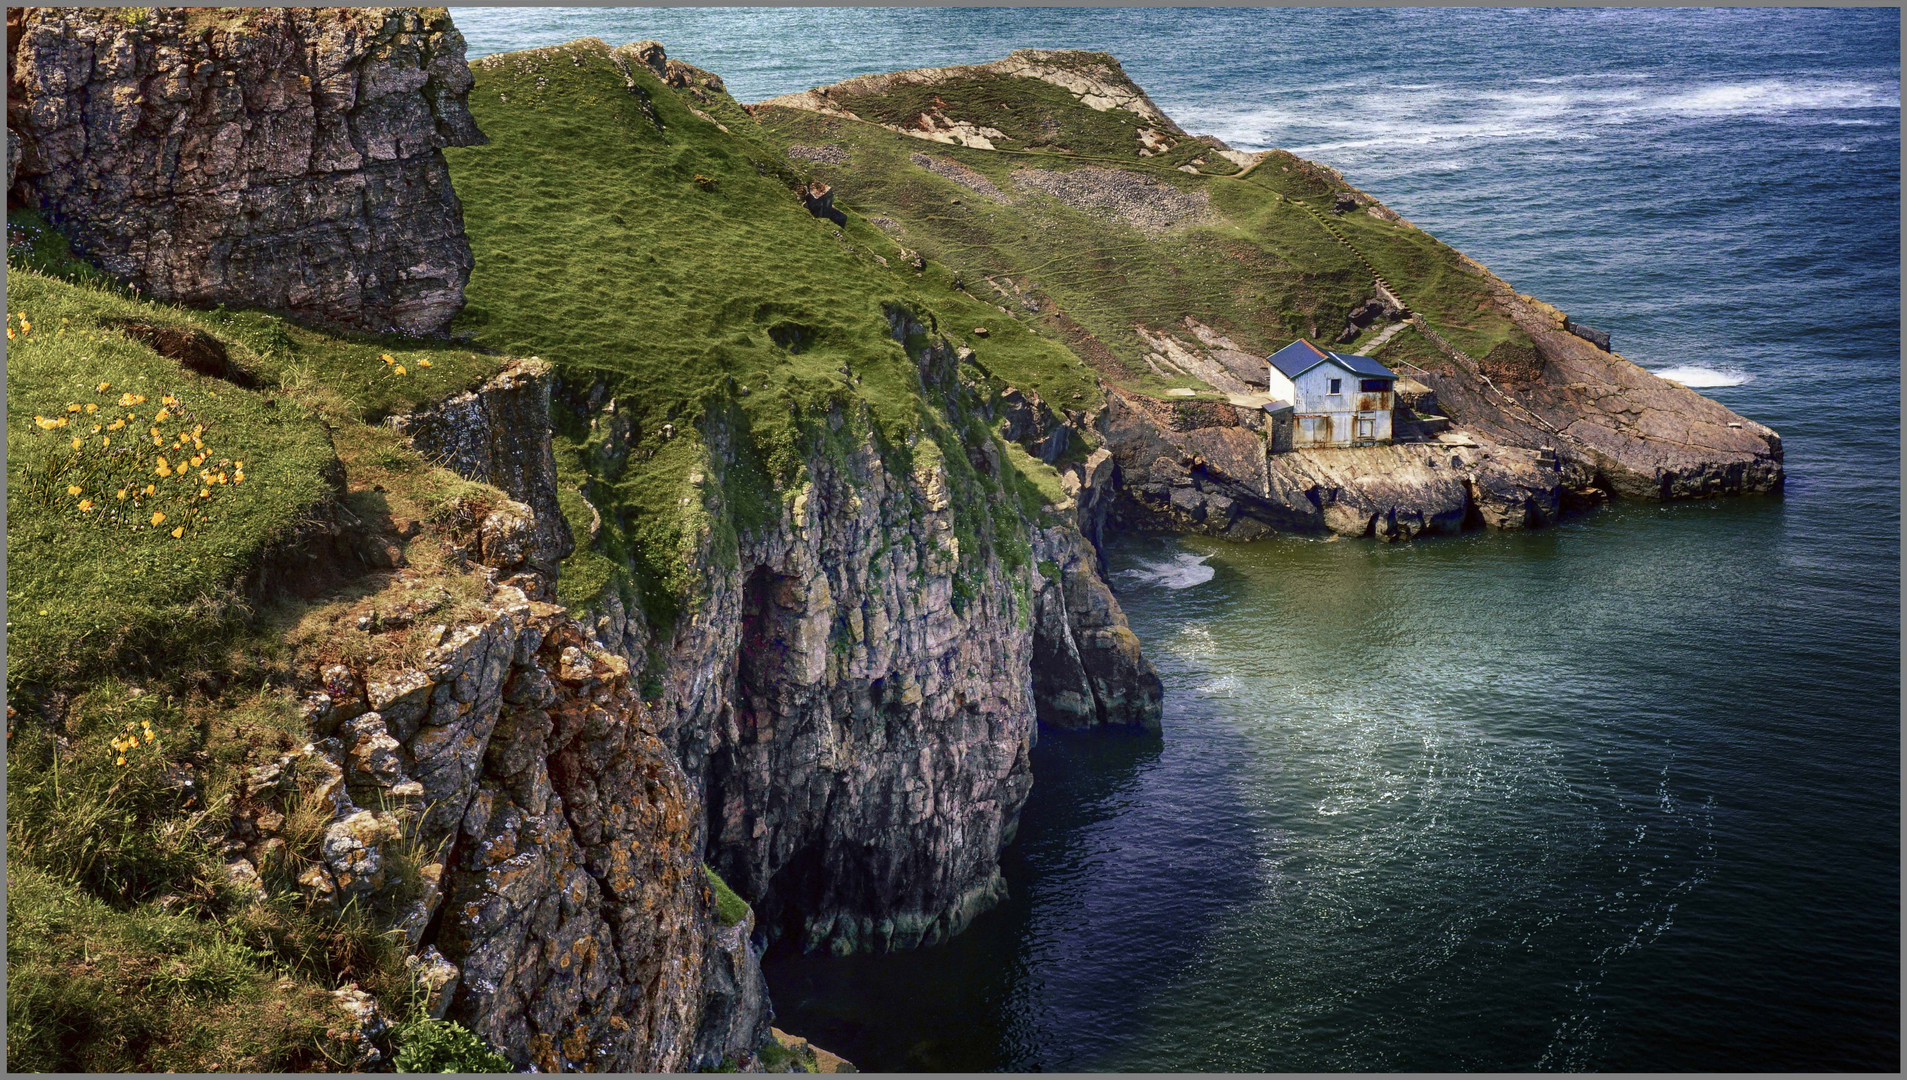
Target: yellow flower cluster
130,737
397,368
25,326
116,486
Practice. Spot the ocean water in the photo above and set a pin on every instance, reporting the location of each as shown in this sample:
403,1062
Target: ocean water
1620,794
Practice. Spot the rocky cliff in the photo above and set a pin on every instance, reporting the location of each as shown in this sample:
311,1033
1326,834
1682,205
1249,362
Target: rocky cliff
858,697
494,788
287,158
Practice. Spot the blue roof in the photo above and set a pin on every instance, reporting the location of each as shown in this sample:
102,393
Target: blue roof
1301,356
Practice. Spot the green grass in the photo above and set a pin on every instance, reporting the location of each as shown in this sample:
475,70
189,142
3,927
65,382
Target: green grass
92,586
145,684
699,307
1033,113
126,949
1262,273
730,908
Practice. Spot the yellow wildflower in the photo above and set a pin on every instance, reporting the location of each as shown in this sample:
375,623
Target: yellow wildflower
72,489
178,532
400,370
150,489
102,388
116,425
387,358
163,469
76,441
105,440
85,504
158,516
129,399
205,493
122,494
238,477
423,363
122,760
168,399
92,407
164,415
72,408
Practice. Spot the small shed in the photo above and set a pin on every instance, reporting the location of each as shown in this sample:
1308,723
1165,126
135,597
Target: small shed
1337,399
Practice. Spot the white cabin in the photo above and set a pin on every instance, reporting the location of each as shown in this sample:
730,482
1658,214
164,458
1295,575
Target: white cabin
1336,399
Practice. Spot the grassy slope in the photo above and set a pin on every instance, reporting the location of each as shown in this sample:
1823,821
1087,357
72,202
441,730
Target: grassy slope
600,249
127,949
1263,274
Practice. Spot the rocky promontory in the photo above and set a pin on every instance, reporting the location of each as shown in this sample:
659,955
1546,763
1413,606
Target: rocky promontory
288,158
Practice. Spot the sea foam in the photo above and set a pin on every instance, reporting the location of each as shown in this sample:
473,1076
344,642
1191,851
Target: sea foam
1178,572
1697,377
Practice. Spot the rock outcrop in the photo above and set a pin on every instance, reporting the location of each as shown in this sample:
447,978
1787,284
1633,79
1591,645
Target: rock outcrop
856,690
1628,430
1204,467
287,158
499,433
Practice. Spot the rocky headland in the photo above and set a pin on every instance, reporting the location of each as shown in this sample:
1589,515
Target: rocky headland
581,642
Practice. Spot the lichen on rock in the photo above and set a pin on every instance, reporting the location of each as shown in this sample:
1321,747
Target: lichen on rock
288,158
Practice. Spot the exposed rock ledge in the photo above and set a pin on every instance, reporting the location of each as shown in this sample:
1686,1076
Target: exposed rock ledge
286,158
1203,467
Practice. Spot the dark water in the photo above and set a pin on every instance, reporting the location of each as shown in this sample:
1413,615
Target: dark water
1622,794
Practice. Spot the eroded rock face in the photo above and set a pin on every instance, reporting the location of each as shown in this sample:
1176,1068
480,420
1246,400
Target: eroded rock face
510,806
860,703
1626,429
499,434
287,158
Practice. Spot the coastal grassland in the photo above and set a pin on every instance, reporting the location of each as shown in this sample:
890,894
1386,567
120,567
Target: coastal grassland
1249,266
127,544
1034,115
668,265
147,680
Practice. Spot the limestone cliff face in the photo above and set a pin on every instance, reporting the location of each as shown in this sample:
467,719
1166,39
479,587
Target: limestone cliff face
496,791
288,158
859,703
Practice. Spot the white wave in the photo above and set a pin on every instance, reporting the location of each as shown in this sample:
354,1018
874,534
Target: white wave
1178,572
1421,114
1698,377
1775,96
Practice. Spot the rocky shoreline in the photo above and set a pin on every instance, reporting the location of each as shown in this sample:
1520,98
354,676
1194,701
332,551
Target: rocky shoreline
839,721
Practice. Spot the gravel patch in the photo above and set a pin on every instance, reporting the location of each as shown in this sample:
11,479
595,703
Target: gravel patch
1140,201
826,155
960,174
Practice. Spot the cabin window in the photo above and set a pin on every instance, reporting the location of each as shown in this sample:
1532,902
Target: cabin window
1337,386
1373,386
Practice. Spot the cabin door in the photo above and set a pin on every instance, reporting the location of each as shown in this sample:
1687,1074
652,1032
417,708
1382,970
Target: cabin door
1366,429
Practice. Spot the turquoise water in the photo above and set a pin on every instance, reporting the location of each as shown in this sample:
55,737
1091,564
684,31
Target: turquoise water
1621,794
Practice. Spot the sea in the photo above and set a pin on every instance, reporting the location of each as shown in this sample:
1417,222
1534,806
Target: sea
1620,794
